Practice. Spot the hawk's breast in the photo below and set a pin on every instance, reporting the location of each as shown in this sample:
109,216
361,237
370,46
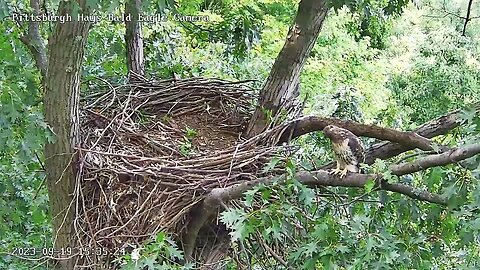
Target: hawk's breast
345,153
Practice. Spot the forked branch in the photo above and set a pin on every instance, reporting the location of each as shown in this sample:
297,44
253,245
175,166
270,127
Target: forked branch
383,150
323,178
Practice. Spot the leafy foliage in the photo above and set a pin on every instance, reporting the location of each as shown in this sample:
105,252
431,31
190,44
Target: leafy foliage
159,253
23,205
441,77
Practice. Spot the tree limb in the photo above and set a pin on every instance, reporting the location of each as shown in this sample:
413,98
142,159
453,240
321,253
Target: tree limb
467,19
34,41
440,126
200,216
385,150
308,124
281,87
449,157
134,41
324,178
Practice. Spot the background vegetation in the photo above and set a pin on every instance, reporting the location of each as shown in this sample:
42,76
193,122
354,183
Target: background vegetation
396,71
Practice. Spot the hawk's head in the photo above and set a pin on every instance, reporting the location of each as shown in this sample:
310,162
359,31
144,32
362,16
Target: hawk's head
330,131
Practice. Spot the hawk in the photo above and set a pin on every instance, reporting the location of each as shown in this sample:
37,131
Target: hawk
347,148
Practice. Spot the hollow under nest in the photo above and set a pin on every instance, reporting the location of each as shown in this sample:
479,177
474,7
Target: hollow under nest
151,151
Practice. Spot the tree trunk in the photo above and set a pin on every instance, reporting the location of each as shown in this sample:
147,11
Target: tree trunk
134,41
281,88
62,96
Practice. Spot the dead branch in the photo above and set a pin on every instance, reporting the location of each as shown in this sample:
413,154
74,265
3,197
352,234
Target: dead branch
446,13
34,41
308,124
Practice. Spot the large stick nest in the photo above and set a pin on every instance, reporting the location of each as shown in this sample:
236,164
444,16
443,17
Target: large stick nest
150,151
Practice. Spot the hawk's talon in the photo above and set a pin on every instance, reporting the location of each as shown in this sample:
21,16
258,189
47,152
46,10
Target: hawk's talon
340,172
335,171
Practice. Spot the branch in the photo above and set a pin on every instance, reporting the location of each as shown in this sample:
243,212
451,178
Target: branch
323,178
448,13
385,150
467,19
199,217
449,157
34,41
440,126
308,124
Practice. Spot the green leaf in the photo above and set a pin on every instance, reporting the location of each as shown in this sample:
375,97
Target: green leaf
436,147
238,232
232,216
174,253
369,185
38,217
449,192
160,237
271,165
249,197
342,249
150,262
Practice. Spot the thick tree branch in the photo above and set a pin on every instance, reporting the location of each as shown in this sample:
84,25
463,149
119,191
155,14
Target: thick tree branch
134,41
199,217
449,157
440,126
61,102
323,178
34,41
308,124
385,150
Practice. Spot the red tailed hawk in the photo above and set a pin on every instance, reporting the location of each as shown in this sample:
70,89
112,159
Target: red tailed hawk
347,148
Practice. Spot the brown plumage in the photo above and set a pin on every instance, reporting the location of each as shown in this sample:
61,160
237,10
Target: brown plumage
348,149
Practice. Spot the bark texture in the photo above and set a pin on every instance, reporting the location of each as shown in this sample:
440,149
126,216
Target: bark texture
452,156
281,88
440,126
62,95
134,41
